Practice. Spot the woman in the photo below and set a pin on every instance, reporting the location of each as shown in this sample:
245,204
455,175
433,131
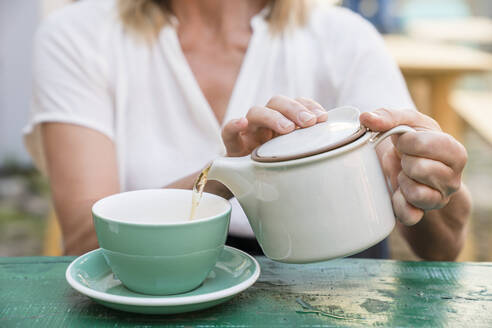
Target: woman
143,94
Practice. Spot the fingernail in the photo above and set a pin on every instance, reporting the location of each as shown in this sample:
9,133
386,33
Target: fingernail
306,117
285,124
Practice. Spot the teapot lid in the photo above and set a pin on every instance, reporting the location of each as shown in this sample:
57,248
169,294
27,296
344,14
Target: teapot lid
341,127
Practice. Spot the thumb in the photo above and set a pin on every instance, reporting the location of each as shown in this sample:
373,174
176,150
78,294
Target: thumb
386,119
230,135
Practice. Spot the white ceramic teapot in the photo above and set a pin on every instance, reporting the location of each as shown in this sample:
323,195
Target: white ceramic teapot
314,194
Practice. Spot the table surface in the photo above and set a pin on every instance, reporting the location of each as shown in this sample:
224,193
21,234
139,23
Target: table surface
345,292
424,58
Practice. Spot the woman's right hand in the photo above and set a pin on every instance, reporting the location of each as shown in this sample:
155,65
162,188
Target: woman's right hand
281,115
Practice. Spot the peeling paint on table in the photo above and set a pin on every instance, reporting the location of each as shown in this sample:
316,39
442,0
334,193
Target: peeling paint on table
339,293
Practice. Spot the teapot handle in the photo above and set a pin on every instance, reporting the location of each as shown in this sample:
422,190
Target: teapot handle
380,136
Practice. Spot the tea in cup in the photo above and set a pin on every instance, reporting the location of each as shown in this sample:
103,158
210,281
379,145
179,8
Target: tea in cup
151,244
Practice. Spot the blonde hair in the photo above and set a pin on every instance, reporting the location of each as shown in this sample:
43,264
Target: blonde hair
147,17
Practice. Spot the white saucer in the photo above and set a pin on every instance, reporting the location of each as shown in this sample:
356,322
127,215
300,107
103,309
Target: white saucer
234,272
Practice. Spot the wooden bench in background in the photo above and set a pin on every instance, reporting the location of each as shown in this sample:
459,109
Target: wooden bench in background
475,108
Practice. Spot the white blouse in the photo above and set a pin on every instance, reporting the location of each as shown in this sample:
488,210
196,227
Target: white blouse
89,71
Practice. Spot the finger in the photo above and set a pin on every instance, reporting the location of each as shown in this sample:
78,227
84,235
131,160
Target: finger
293,110
231,137
263,117
420,195
391,164
385,119
404,211
262,135
314,107
434,145
434,174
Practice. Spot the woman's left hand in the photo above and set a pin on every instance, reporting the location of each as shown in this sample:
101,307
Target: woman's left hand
424,167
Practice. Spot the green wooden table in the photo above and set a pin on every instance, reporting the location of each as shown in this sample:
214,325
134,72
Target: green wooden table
346,292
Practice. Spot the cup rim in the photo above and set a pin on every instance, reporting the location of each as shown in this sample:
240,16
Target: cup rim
160,224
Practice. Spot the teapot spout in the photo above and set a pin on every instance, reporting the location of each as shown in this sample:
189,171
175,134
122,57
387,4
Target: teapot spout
236,173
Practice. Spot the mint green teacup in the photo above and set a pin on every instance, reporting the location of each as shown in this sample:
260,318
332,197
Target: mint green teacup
151,245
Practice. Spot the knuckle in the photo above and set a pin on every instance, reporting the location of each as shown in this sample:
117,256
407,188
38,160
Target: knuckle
420,196
415,168
418,165
453,185
419,169
448,141
254,111
276,100
462,156
226,130
415,195
460,152
420,143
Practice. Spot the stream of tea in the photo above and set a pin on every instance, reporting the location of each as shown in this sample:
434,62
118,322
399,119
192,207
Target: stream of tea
198,187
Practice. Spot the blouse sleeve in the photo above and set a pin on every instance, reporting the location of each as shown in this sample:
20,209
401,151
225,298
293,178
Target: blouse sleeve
69,83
